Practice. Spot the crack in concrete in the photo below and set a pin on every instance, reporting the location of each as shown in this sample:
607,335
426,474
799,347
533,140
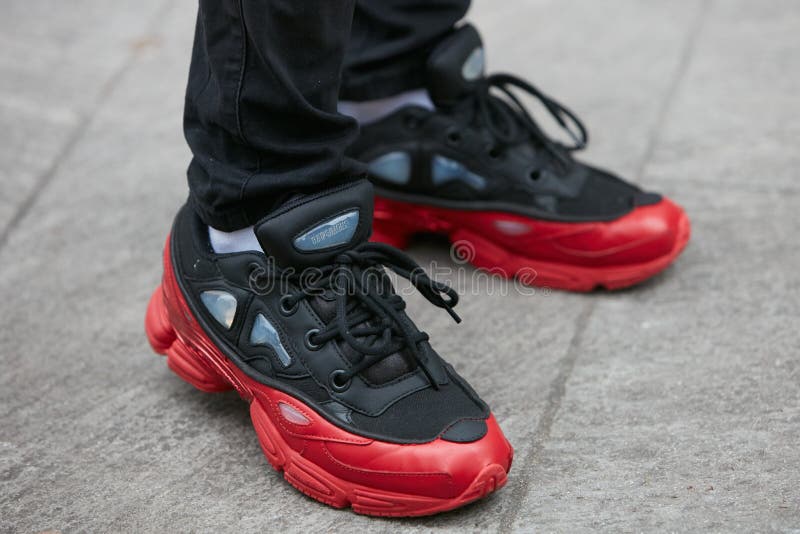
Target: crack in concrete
541,434
672,90
79,131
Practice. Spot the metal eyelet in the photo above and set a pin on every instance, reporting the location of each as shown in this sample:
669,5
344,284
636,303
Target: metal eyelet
286,311
454,137
310,345
335,382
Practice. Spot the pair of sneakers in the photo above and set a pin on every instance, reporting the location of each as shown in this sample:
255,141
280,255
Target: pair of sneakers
347,395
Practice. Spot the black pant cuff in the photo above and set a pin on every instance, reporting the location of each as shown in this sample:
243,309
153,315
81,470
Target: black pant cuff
385,82
226,221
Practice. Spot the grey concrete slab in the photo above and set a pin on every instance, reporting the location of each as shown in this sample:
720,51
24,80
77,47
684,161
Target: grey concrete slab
23,161
613,402
56,65
735,118
682,412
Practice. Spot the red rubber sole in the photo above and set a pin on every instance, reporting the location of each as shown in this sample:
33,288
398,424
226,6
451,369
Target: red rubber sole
538,257
172,331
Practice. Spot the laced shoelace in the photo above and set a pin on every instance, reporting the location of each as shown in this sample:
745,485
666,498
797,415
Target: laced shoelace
510,122
368,314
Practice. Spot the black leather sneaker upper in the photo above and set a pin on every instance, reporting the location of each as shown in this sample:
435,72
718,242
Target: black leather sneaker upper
317,317
481,149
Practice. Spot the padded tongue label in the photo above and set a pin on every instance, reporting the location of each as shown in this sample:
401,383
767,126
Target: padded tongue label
331,233
311,230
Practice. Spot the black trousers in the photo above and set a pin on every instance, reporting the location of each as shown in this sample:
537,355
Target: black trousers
266,75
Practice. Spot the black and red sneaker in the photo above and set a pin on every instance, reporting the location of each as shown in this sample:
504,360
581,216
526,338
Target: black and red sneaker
347,396
480,170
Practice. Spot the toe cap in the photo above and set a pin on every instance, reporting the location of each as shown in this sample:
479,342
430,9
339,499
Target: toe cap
440,468
646,233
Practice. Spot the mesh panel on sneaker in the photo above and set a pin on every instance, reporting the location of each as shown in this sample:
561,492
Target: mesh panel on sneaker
602,195
440,408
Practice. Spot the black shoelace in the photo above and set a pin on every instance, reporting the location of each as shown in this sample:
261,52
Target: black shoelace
369,314
509,121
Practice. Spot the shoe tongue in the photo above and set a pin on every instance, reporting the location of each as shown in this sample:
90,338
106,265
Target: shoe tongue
455,66
311,230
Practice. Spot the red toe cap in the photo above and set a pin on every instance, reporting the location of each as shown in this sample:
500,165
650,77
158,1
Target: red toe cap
644,234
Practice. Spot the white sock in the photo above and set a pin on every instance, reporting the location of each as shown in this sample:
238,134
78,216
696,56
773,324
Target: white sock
373,110
236,241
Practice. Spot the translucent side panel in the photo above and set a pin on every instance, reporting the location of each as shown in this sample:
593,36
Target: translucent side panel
291,414
221,305
512,227
472,69
393,167
445,170
264,333
336,231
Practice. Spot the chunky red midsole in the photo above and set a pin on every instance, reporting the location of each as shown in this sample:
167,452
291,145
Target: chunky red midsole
321,459
566,255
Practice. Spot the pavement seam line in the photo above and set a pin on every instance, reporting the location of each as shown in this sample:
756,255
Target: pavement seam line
541,433
78,132
687,53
